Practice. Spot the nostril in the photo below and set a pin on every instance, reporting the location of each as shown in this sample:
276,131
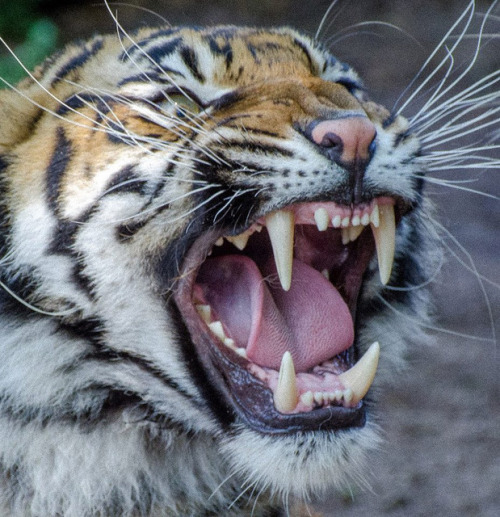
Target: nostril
332,140
345,140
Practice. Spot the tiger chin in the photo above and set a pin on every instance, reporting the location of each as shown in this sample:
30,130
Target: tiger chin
208,239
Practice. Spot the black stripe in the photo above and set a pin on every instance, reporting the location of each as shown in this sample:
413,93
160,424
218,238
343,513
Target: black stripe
79,60
101,352
138,46
225,50
304,49
191,61
4,209
164,49
213,398
55,171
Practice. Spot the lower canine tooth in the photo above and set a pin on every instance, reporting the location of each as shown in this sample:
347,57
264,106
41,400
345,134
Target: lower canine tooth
360,377
280,226
286,396
385,241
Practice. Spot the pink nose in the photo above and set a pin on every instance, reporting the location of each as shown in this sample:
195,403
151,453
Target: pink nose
346,140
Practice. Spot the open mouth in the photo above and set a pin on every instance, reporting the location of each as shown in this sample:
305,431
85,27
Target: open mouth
272,312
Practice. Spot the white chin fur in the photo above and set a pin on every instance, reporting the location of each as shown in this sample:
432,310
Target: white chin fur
301,465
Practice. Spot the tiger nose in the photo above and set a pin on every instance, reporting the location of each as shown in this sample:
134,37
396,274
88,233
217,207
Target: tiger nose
346,141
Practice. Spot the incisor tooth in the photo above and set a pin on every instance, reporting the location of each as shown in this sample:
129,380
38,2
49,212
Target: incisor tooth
205,313
322,219
217,329
280,226
240,241
286,396
385,241
360,377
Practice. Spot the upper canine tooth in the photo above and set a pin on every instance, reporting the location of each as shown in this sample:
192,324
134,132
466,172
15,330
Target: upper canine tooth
374,216
280,226
322,219
360,377
240,241
286,395
385,241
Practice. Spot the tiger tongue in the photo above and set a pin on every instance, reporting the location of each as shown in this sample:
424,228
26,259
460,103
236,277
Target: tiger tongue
311,320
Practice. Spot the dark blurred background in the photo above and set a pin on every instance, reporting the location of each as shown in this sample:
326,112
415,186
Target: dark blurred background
442,419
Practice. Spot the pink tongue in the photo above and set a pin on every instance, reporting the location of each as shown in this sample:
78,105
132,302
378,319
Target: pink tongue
311,320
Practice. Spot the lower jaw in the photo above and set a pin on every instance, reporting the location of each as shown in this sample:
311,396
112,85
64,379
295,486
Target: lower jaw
243,395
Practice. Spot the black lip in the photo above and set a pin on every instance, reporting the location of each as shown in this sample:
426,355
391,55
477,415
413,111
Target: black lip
242,393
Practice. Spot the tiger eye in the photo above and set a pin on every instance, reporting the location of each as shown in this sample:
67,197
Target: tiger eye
183,104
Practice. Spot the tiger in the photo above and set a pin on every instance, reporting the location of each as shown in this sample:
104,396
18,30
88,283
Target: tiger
214,254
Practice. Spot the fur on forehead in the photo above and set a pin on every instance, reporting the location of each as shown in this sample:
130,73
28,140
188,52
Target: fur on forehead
229,56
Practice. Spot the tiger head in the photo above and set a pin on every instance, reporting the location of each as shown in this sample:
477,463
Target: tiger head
206,240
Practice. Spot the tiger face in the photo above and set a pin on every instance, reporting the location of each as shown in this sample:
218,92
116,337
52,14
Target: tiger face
206,240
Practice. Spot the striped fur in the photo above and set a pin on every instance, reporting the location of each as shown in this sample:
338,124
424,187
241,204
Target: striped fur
108,175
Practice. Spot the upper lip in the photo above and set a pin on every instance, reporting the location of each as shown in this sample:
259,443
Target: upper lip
246,394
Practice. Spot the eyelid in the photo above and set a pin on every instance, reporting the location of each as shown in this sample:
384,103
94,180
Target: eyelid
181,94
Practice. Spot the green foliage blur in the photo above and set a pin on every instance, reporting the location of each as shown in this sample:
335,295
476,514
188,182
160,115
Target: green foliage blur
30,35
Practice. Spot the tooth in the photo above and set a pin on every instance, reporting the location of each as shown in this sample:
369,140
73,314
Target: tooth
338,395
307,398
345,222
240,241
242,352
354,232
374,217
345,236
286,396
336,221
280,226
356,220
321,218
365,220
219,241
348,395
229,342
385,236
326,274
217,329
360,377
205,313
318,398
